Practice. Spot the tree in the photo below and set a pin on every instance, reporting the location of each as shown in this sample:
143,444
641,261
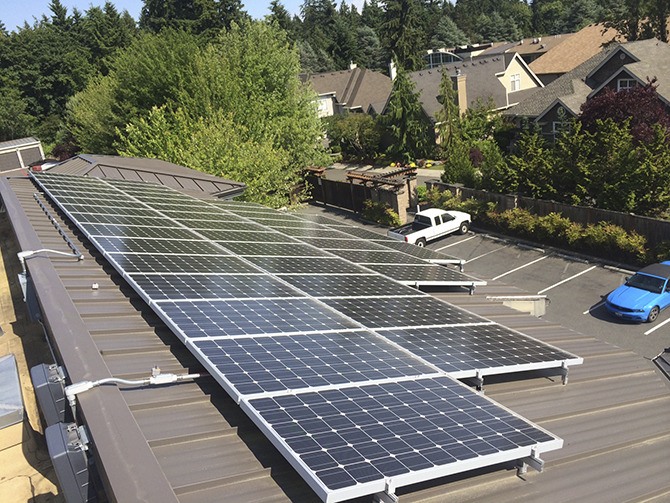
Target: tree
234,108
532,166
410,132
448,34
640,105
196,16
369,50
401,33
357,135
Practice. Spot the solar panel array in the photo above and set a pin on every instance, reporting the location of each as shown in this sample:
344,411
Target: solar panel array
349,373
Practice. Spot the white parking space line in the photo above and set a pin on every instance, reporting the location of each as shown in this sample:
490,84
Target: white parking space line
566,280
657,327
456,243
519,268
484,254
599,304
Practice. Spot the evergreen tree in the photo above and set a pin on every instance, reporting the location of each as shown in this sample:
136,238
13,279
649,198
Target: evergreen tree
401,33
410,132
369,50
448,34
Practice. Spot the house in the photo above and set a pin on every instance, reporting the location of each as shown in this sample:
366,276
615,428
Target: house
505,79
19,154
530,48
355,90
617,67
573,50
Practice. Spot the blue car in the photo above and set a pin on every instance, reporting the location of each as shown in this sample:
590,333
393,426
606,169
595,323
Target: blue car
642,296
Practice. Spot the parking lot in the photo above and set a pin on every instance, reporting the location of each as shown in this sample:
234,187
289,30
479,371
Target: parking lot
575,287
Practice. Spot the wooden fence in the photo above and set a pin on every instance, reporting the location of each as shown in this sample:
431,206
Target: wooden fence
654,230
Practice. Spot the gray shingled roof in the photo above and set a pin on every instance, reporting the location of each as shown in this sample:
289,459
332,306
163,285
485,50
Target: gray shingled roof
560,88
19,142
357,87
572,90
481,82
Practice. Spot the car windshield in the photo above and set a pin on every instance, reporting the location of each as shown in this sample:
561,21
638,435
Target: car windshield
644,282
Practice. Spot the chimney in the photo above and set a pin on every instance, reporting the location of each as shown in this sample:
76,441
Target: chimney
461,93
352,65
392,70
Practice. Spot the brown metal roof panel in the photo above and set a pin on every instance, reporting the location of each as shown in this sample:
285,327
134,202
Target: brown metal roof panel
581,396
139,365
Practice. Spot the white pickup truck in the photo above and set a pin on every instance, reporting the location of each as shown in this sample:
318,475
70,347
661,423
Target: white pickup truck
431,224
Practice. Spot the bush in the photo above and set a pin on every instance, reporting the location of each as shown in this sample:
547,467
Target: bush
612,241
381,213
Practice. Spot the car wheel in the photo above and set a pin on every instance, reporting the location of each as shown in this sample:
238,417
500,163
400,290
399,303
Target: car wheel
463,229
421,243
653,314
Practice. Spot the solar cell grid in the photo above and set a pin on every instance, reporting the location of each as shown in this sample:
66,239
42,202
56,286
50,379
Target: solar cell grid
212,286
480,347
136,210
223,224
137,231
291,265
97,218
359,435
159,246
278,363
311,232
377,257
380,313
222,318
359,232
420,273
212,264
275,224
250,249
342,244
331,285
227,236
416,251
212,214
319,219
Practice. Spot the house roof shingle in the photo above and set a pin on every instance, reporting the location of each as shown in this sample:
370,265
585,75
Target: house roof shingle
575,49
353,88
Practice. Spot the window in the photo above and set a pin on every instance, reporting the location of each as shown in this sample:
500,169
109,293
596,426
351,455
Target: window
625,84
515,81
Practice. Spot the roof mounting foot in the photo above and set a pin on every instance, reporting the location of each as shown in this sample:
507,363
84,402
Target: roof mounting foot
564,373
533,461
388,496
479,381
461,265
471,289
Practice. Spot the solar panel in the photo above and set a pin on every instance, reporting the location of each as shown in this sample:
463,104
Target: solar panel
354,441
317,350
488,348
416,251
289,265
211,264
341,285
393,312
425,274
227,318
342,244
159,246
381,257
249,249
226,236
211,286
269,364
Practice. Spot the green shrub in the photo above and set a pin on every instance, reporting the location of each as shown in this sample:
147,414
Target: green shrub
611,241
381,213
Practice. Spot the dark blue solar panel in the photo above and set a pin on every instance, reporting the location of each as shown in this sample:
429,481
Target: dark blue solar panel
391,312
279,363
212,286
344,285
358,435
222,318
212,264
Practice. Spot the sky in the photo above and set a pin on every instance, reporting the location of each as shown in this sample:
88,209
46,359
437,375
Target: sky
13,13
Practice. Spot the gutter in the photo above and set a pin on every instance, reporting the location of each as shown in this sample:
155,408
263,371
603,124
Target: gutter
125,462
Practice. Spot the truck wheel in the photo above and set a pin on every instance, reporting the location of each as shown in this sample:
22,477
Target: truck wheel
421,243
464,228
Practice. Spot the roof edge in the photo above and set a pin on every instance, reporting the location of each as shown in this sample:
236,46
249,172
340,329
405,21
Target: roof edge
137,479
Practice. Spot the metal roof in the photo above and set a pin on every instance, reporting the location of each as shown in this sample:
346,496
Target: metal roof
191,443
18,143
151,171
